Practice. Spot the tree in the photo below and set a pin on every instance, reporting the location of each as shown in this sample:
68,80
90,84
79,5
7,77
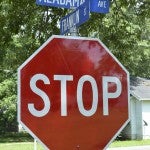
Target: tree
122,30
8,121
25,26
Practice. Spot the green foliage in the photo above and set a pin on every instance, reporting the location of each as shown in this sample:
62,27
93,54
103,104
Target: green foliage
25,26
130,143
20,146
8,113
15,137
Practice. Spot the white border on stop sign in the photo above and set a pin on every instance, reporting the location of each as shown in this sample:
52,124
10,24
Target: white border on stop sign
36,52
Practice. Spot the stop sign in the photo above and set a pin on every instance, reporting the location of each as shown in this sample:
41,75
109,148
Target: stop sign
73,94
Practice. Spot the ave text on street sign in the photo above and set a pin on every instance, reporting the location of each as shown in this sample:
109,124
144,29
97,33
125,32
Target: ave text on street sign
75,18
99,6
73,94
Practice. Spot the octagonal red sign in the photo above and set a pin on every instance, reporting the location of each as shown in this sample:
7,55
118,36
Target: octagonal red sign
73,94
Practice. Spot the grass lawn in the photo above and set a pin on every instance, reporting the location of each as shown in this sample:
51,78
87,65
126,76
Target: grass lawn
19,146
24,141
17,141
30,145
15,137
130,143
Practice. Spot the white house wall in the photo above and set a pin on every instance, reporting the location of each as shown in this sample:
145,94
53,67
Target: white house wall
133,119
146,119
136,119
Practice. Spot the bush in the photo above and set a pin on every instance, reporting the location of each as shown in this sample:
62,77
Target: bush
8,111
15,137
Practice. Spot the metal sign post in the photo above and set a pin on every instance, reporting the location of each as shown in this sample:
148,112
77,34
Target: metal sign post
74,31
35,144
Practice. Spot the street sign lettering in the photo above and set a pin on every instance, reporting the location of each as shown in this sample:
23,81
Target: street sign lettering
100,6
75,18
69,21
79,91
61,3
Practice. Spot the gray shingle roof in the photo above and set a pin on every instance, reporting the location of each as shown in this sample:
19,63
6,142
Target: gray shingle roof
140,88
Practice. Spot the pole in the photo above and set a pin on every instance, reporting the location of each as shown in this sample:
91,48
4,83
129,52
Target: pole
74,31
35,144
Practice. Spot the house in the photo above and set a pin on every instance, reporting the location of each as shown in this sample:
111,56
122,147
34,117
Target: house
139,126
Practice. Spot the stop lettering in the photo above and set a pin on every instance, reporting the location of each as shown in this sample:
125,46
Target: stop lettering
63,82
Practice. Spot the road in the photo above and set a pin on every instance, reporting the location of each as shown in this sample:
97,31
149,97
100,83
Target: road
131,148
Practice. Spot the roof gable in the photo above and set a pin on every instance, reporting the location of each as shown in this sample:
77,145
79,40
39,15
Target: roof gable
140,88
